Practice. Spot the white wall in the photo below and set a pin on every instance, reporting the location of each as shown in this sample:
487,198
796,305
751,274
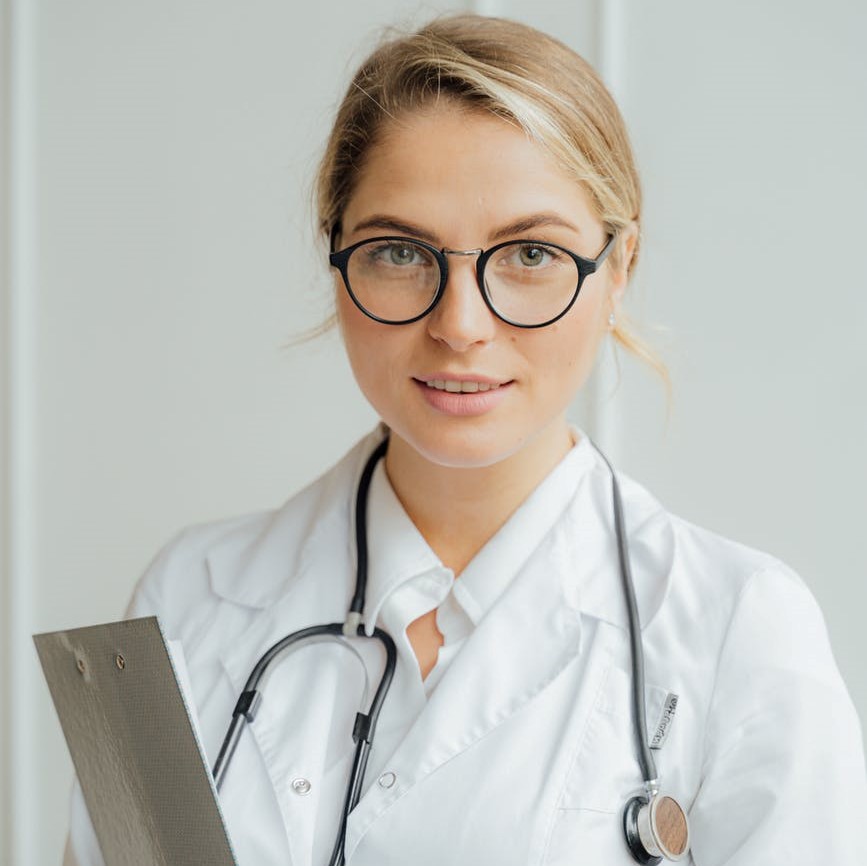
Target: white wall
156,170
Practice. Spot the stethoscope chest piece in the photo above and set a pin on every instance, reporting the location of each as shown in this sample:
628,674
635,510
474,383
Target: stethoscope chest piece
656,828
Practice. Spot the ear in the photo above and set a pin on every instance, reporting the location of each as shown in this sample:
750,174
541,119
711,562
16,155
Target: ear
620,275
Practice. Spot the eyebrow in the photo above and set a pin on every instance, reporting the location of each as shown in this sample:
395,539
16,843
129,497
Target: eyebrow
525,224
535,221
390,224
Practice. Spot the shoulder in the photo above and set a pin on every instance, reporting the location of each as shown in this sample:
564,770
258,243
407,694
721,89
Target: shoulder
749,630
743,640
713,570
751,595
684,568
730,603
251,559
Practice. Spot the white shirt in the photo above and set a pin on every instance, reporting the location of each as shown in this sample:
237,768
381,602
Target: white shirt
518,748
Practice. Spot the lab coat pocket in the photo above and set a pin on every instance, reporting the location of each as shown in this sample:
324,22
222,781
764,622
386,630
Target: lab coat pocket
605,771
587,823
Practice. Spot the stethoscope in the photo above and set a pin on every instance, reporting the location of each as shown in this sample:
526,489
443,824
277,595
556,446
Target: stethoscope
654,824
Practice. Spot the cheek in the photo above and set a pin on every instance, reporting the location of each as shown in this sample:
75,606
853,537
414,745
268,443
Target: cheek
377,353
571,352
577,342
359,339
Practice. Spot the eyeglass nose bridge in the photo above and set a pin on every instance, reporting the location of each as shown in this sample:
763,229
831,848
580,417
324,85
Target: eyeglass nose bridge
447,252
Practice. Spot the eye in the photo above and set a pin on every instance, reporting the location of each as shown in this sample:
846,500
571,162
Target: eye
533,256
528,256
399,253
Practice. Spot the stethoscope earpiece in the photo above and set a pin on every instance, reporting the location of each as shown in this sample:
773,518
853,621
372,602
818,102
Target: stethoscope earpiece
656,828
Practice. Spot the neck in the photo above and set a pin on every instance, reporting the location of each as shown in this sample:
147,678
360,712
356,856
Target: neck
457,509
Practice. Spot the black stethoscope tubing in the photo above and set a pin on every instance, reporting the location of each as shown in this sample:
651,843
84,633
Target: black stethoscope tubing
365,724
639,713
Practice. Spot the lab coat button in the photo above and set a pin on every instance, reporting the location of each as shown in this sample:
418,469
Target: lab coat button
386,780
301,786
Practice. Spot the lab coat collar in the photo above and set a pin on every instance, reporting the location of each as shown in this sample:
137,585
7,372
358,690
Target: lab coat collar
258,573
494,567
588,529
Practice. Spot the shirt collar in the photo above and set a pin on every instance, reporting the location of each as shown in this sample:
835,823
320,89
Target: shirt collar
496,564
397,552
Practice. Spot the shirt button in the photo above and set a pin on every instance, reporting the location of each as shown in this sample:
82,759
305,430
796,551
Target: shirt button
301,786
386,780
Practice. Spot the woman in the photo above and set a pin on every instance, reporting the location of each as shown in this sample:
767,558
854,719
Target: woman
483,211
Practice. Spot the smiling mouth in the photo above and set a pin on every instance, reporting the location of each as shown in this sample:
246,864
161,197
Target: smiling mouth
455,387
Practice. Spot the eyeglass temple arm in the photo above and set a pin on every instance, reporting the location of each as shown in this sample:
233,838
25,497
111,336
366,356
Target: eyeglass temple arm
332,237
597,262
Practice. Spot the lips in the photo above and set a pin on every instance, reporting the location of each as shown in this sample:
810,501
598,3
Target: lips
465,396
456,386
466,383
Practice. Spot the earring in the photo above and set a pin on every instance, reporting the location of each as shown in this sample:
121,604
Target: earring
612,320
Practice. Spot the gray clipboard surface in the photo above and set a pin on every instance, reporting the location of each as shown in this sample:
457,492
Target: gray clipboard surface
142,769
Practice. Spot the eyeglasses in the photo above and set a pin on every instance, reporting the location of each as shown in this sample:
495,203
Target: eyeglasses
526,283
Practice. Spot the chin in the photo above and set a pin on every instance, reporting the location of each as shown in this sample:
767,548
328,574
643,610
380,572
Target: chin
461,448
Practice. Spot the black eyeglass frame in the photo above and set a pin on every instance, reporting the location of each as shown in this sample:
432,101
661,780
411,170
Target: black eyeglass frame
340,260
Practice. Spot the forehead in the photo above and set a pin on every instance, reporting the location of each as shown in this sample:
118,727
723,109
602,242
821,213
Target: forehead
447,167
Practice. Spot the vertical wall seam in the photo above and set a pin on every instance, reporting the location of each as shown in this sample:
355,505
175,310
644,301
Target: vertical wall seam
20,286
611,65
484,7
6,697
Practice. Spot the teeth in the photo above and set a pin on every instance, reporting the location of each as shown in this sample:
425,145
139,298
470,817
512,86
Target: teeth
456,387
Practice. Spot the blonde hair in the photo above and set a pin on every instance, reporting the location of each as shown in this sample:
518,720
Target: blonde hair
513,72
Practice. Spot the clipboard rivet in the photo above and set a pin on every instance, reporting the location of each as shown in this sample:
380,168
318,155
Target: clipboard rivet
301,786
120,661
82,667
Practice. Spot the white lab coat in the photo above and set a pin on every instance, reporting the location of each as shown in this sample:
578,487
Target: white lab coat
524,753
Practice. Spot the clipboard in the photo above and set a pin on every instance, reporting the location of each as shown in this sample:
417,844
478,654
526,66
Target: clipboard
142,769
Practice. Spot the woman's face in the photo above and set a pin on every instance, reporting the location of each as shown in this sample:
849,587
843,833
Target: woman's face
465,180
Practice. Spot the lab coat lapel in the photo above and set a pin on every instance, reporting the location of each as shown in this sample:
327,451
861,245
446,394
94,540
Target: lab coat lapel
308,693
534,630
295,574
261,757
490,679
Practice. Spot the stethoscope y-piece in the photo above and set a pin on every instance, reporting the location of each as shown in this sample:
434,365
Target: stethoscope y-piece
655,825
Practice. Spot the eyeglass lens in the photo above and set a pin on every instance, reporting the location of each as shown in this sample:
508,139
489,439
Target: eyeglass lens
526,283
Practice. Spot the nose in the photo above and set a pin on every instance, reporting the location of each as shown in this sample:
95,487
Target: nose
461,319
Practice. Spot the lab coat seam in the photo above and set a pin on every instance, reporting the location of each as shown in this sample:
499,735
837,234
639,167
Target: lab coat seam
561,809
573,757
